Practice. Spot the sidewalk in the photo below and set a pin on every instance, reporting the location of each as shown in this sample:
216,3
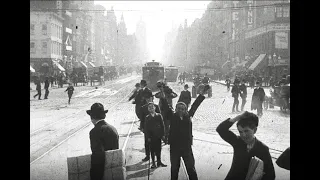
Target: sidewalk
224,83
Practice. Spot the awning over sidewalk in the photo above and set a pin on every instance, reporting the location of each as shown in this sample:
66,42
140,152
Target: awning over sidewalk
83,64
243,63
258,61
91,64
31,69
59,66
224,64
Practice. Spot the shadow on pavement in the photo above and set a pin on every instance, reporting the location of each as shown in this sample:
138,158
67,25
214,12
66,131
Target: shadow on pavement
278,112
139,174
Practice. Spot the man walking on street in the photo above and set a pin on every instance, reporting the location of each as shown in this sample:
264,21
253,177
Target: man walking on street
144,111
258,98
243,93
103,137
70,90
245,146
185,96
136,99
235,94
38,88
46,87
228,82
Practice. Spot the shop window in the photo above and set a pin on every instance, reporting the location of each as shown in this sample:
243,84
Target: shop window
286,12
32,29
279,11
44,29
32,47
44,47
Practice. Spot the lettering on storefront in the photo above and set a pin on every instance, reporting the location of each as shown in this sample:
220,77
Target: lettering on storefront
250,14
235,20
268,28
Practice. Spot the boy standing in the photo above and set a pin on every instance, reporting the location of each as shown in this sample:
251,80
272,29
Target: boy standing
154,130
245,146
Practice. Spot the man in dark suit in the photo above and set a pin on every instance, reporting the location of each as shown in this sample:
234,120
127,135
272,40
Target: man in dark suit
143,93
46,87
143,113
245,146
258,97
243,93
38,88
103,137
185,96
235,94
135,97
180,136
167,93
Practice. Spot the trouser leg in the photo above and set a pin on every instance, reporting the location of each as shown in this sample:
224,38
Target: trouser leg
237,104
39,94
190,163
243,103
175,163
146,146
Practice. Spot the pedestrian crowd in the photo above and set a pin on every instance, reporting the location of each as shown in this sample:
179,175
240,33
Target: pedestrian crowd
172,125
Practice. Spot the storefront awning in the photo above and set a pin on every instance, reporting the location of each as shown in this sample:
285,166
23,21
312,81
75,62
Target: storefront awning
83,64
31,69
243,63
91,64
224,64
258,61
59,66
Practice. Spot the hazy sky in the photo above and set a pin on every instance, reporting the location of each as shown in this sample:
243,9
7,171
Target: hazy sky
159,17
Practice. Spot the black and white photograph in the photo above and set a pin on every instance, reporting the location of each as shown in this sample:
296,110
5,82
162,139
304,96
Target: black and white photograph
159,90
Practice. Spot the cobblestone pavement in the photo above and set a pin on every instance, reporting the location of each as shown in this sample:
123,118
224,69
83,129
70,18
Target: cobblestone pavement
273,129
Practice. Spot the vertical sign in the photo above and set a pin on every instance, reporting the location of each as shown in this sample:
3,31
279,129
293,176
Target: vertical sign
234,19
250,16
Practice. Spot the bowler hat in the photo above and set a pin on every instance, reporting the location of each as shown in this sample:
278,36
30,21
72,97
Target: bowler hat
186,86
96,108
143,82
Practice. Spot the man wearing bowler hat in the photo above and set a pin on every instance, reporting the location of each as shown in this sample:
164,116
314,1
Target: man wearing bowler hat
103,137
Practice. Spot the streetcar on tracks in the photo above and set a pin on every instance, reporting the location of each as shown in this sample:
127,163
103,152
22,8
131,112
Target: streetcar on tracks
171,73
153,72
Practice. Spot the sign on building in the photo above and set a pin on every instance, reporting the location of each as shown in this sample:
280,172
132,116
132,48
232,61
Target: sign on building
281,40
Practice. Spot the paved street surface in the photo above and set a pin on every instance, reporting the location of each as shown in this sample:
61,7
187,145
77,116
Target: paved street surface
209,149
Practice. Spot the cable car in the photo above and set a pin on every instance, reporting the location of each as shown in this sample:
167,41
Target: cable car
152,72
171,73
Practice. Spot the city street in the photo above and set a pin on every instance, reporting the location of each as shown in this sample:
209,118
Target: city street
209,149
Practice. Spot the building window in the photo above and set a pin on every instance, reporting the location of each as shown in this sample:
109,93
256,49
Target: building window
44,47
279,11
44,29
286,12
32,29
32,47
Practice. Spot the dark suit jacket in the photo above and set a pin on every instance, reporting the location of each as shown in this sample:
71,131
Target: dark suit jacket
103,137
134,95
142,95
144,112
185,97
180,132
154,126
241,157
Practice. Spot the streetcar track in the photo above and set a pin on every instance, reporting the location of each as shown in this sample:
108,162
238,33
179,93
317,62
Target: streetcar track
74,113
72,134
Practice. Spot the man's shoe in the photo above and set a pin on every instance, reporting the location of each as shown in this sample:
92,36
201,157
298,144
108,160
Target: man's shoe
153,166
145,159
160,164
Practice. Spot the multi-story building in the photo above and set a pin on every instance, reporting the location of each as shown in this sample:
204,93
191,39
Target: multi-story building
268,43
46,29
141,34
99,21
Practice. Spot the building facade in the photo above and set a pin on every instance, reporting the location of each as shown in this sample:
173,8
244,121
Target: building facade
46,34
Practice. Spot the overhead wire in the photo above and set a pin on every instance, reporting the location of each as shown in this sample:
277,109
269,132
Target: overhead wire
163,10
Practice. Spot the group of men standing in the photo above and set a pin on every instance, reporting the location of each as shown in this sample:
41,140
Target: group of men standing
258,96
163,123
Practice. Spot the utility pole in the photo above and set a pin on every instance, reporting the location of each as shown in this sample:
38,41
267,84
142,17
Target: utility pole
117,47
